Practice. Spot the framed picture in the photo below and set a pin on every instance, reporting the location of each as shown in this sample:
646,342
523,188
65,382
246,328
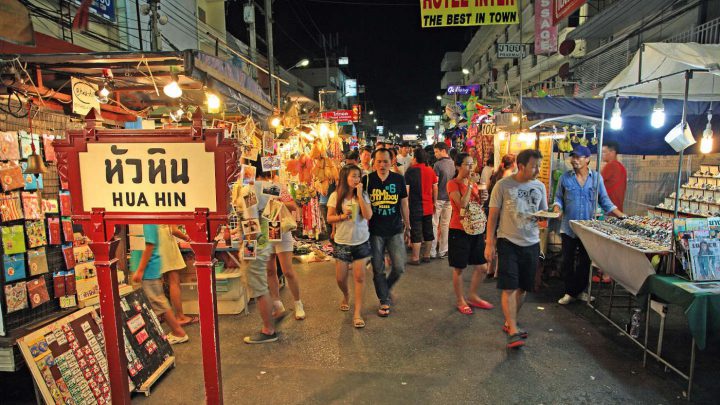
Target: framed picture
270,163
272,210
250,153
228,126
271,189
705,258
251,228
274,231
250,198
268,142
249,251
247,173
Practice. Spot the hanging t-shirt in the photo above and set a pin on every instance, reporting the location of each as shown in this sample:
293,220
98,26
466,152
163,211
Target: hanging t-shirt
420,178
350,232
456,185
386,201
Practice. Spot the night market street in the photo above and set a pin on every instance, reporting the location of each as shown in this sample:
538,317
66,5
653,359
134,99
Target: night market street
427,352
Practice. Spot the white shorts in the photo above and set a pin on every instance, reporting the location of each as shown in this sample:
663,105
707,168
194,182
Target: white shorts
286,243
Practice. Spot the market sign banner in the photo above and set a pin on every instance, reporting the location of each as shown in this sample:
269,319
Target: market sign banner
340,115
564,8
431,120
545,31
148,177
511,50
83,96
465,13
463,90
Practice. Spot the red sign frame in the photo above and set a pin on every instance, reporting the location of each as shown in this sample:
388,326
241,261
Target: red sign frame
201,225
563,8
339,115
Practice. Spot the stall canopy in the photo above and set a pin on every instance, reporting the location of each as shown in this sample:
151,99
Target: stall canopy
665,60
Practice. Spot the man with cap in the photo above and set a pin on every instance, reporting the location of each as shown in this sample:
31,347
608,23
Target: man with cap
575,200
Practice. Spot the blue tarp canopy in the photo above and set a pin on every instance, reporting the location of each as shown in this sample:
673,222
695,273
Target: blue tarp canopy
637,136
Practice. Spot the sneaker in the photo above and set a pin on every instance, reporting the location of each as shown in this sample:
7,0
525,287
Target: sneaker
299,311
514,341
260,337
566,299
585,297
173,340
442,255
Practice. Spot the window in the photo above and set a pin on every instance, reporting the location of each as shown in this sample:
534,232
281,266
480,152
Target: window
534,60
201,14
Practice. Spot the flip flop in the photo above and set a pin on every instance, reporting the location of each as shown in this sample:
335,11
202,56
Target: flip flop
384,311
465,310
523,333
344,307
358,323
482,304
193,319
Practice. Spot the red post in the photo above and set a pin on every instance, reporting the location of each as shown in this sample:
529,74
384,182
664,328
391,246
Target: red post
112,326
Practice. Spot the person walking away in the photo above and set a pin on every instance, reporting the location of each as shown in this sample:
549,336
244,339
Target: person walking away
349,209
389,225
404,159
172,263
444,169
575,200
282,251
466,249
148,275
514,234
422,184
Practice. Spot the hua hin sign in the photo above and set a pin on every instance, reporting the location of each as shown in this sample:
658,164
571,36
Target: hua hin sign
148,177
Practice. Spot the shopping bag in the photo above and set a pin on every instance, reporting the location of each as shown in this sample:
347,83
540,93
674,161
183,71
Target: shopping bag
15,296
38,292
69,256
37,261
50,206
25,146
48,148
67,230
54,231
14,266
32,205
65,203
35,233
11,176
10,207
9,149
13,239
32,181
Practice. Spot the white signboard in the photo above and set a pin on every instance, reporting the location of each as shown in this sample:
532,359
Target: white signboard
350,88
148,177
83,96
511,50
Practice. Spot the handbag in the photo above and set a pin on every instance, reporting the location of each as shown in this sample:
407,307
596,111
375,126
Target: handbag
37,262
13,239
473,218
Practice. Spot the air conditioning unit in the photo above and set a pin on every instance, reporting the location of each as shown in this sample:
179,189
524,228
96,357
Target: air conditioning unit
574,48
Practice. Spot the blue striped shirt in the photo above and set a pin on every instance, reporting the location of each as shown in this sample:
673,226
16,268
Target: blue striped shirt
577,201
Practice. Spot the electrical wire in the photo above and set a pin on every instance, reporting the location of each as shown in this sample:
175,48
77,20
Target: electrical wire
300,19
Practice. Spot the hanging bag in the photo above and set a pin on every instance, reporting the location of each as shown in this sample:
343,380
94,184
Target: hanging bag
473,218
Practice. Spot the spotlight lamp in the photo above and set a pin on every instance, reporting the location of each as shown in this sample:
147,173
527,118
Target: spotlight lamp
173,89
616,121
657,119
706,143
213,103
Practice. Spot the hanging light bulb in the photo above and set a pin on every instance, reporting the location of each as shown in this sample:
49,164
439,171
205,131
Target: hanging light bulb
103,94
213,103
616,121
173,89
177,115
706,144
657,120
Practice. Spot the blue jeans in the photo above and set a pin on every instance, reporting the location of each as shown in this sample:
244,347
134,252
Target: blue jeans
398,255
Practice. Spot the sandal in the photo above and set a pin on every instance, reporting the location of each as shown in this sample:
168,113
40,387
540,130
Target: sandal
523,333
344,307
193,319
358,323
384,311
465,310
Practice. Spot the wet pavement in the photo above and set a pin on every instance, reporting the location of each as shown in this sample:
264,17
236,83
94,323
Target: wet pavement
428,353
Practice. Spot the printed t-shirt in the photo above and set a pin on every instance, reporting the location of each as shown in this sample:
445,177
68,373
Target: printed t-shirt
385,199
421,178
350,232
455,185
517,202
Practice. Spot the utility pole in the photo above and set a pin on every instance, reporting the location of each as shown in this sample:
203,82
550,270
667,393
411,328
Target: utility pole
139,26
155,30
271,57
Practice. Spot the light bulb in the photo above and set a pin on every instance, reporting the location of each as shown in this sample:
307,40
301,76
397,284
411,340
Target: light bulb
616,121
213,102
657,119
514,118
706,145
104,92
275,122
172,89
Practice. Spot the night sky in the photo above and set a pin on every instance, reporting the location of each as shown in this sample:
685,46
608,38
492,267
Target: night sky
396,60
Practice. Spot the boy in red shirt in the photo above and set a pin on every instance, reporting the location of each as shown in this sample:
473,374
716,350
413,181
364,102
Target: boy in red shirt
614,174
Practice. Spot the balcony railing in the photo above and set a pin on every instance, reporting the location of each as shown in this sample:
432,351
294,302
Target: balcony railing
708,33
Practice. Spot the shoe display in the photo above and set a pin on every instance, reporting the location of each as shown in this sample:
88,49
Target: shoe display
260,338
173,340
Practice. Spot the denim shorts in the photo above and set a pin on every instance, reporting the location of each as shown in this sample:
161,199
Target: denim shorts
350,253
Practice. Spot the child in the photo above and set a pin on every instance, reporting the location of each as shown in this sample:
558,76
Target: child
148,273
349,210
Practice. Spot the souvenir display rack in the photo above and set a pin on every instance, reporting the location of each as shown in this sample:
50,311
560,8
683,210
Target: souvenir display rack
642,233
699,196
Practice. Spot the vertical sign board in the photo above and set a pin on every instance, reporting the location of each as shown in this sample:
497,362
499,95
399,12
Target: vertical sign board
465,13
563,8
545,31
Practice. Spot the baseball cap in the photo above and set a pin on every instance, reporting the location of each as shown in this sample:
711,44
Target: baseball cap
581,151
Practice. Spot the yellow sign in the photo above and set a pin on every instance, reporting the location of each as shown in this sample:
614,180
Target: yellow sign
465,13
147,177
83,96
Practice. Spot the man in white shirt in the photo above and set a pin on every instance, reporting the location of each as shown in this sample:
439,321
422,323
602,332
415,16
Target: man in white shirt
404,159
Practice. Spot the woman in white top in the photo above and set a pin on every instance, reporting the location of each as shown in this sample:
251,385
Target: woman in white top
349,210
